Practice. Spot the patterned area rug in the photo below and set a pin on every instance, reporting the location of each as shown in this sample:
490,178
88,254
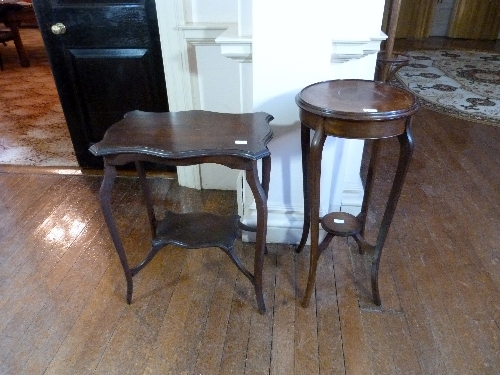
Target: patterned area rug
464,84
33,130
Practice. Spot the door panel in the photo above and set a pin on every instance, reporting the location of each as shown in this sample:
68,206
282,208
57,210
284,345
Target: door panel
108,62
106,73
475,19
415,18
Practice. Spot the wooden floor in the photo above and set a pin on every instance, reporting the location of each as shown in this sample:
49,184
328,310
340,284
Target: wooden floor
63,309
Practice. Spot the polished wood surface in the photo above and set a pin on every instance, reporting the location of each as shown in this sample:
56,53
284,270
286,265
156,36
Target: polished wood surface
455,326
63,311
186,138
356,100
356,108
180,135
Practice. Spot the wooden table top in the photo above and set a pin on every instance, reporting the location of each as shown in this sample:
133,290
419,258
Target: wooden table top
357,100
180,135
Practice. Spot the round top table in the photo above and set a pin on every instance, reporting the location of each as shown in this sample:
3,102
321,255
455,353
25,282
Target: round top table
356,108
353,109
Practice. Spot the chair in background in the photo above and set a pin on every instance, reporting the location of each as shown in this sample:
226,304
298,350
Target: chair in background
12,15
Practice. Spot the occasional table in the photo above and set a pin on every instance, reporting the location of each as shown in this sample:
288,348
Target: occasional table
353,109
237,141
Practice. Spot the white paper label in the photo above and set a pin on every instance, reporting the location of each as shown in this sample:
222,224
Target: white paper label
240,142
338,221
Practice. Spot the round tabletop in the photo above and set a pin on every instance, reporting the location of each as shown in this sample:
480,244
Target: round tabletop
357,100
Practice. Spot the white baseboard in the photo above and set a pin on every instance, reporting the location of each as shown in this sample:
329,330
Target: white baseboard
284,225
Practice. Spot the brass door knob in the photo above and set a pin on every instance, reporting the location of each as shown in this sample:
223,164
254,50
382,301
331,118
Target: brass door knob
58,28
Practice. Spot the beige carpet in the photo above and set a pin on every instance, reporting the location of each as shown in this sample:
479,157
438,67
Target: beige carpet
32,126
460,83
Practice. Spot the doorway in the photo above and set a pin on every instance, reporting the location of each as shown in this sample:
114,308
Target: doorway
33,128
442,16
106,60
465,19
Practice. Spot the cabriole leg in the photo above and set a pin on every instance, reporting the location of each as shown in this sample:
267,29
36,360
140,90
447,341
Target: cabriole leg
105,198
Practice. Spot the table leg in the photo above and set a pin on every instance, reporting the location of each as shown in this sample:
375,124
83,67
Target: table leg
368,188
314,177
23,58
266,179
260,194
406,151
305,141
105,198
147,197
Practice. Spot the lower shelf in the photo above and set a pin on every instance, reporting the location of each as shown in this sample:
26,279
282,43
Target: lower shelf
197,230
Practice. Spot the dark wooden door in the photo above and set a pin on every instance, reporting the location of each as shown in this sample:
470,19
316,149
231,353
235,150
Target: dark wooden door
106,60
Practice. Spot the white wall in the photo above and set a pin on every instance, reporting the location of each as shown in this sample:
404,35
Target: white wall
310,42
212,11
256,55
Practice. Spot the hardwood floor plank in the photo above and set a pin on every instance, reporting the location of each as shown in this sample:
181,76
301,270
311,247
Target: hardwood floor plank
7,181
211,346
306,327
330,346
458,213
355,347
238,334
38,258
16,200
437,286
55,285
378,343
259,350
285,305
84,345
238,329
467,204
39,237
88,345
63,308
66,309
136,328
427,350
402,347
29,221
183,334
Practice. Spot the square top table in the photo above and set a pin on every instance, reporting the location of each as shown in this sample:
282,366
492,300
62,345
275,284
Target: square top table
237,141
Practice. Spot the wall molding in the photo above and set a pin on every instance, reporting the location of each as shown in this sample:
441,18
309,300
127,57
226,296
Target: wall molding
344,50
201,33
239,48
234,46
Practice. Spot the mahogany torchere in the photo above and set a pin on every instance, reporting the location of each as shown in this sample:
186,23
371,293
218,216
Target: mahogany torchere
237,141
352,109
